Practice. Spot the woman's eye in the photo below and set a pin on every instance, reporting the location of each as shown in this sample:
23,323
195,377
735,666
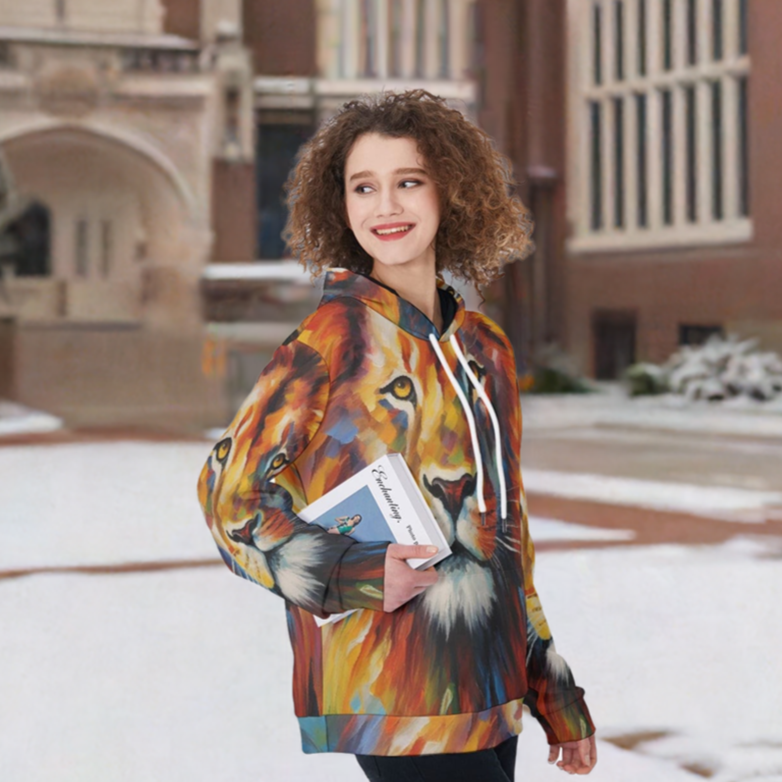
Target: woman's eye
402,388
405,184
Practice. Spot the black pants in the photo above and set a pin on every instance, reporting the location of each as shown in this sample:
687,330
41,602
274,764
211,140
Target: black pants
487,765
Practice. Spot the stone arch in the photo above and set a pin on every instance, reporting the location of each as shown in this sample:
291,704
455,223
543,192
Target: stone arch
122,213
53,129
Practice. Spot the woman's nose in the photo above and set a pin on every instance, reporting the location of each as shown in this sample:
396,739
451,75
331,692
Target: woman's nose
388,203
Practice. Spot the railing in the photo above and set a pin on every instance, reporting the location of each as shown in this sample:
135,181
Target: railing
139,60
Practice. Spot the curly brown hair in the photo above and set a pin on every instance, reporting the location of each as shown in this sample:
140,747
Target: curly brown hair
483,225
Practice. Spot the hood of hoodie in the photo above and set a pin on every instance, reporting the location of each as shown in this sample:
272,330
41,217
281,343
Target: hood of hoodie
343,283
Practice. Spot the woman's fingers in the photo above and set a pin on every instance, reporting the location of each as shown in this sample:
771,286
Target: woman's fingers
583,753
401,582
401,551
425,578
578,757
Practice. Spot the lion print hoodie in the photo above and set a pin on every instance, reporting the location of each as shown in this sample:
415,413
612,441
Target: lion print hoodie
364,375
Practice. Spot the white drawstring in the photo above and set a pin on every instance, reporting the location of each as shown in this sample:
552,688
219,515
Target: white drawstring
495,423
470,421
484,397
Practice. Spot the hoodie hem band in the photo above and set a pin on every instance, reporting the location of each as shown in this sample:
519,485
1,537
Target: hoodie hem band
378,734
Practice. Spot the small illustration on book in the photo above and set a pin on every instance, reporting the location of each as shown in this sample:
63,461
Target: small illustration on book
345,524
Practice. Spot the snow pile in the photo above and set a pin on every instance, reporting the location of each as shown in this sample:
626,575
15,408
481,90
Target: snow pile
555,372
17,419
717,370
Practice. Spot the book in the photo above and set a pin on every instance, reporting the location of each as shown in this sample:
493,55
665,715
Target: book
381,502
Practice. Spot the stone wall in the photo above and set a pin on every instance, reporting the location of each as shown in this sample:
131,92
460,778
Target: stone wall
94,376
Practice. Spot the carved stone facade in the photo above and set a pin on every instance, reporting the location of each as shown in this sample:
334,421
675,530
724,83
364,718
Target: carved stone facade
146,142
110,128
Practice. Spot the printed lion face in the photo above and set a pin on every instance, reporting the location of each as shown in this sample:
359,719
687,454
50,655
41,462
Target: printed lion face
392,395
271,429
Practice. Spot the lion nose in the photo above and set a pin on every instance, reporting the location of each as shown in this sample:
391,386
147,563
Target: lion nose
244,534
452,493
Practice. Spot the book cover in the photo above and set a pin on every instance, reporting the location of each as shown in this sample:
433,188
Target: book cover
381,502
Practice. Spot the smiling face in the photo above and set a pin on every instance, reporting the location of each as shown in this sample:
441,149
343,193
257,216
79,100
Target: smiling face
391,202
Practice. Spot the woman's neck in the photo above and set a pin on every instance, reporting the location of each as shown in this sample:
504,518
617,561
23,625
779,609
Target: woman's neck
416,285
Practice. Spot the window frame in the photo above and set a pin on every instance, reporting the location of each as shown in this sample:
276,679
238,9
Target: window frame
656,80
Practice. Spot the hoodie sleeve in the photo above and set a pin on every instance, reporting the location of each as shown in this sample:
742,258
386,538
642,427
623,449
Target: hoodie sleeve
553,697
251,517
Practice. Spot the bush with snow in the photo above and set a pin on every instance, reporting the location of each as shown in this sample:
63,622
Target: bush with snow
719,369
555,372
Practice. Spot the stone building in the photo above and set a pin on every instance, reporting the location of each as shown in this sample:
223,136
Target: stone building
113,132
144,147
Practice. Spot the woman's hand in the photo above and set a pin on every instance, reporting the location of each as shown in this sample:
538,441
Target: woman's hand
578,757
403,583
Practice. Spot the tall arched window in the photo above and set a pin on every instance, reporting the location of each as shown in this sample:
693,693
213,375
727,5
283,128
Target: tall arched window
420,38
395,12
443,36
368,37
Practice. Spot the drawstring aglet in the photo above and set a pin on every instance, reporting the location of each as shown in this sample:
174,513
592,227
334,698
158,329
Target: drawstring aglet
483,518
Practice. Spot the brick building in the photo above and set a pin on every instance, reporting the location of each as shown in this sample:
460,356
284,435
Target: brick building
644,133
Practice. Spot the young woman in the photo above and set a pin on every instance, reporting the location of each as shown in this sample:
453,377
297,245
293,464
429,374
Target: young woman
428,678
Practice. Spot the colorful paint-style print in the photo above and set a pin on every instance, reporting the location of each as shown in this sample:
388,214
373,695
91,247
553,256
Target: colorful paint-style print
448,671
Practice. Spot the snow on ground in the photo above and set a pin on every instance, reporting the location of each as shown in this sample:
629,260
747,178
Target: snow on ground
174,676
185,674
101,503
545,530
713,502
667,412
114,493
17,419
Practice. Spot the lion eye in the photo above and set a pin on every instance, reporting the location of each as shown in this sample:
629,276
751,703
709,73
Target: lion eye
479,371
278,461
402,388
222,449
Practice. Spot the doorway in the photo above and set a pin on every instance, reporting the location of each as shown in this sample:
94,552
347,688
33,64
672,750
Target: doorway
614,337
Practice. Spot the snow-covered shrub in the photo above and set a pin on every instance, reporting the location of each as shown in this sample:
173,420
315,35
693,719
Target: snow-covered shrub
556,373
644,378
718,369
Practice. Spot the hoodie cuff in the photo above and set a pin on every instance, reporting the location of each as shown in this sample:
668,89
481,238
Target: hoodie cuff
570,723
357,580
